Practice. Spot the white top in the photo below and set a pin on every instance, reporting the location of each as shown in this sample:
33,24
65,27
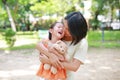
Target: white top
77,51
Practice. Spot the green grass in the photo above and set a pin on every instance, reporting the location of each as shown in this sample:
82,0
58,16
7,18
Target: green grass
30,46
108,35
28,35
111,39
23,35
104,44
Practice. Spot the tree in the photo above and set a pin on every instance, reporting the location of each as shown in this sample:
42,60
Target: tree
16,10
113,5
3,17
49,7
52,7
103,7
9,14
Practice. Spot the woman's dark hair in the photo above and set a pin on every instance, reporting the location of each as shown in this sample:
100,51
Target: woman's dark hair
77,26
51,27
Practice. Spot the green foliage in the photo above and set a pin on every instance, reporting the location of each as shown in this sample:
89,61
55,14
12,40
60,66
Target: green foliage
9,37
45,24
3,17
49,7
103,7
95,24
72,9
21,9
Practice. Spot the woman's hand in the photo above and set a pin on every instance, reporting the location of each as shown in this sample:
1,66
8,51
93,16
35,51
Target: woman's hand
51,58
44,59
54,60
51,49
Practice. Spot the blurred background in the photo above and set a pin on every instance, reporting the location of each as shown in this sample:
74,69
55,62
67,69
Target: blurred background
24,22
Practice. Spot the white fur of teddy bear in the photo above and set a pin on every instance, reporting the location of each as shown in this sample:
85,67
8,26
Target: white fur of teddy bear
61,47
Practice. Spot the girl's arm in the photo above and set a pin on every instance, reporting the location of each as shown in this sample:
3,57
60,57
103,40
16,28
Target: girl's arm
42,49
53,59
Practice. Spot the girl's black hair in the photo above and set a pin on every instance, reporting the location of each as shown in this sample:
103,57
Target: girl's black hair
51,27
77,26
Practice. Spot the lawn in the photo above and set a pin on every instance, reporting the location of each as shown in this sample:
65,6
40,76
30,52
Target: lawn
111,39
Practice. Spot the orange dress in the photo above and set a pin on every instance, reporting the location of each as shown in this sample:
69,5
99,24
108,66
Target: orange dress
61,73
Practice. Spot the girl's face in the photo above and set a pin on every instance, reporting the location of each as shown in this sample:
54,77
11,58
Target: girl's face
57,31
67,35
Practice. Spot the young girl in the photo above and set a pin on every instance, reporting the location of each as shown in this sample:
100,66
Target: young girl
56,32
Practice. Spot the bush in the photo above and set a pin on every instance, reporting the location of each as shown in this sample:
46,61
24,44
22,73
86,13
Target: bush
95,24
10,37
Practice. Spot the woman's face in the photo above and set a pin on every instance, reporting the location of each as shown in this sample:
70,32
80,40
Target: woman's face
57,31
67,35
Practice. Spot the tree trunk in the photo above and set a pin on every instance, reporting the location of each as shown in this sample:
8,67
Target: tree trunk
10,18
111,14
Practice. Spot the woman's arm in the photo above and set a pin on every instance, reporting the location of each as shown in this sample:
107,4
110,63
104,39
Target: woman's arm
79,56
72,65
45,59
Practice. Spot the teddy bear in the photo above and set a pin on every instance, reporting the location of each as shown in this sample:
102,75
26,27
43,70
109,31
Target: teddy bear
61,47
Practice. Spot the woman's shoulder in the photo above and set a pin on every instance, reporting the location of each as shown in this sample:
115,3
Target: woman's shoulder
82,43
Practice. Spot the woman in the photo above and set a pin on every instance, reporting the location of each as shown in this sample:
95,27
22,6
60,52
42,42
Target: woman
75,33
